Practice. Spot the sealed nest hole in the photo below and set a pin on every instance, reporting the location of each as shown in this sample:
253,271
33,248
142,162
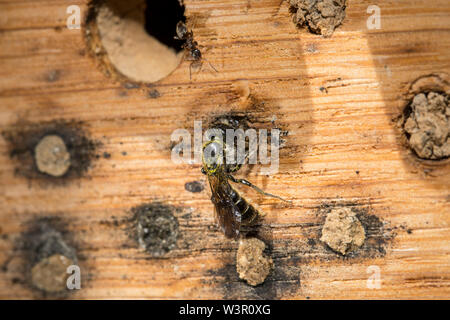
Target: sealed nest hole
48,254
318,16
349,231
54,151
134,40
155,228
426,124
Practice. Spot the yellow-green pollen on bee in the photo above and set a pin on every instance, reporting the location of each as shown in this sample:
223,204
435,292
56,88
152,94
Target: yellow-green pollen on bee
212,164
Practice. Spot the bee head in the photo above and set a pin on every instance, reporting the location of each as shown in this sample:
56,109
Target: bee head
196,54
212,156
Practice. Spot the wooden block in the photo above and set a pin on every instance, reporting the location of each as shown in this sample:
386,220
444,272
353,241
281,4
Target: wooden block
338,98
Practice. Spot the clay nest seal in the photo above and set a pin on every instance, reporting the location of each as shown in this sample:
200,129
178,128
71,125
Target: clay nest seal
319,16
427,125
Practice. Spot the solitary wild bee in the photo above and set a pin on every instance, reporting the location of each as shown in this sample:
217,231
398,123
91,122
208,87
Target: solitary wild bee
232,210
192,52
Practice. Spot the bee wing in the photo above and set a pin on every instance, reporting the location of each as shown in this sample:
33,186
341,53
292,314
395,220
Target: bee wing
227,213
181,30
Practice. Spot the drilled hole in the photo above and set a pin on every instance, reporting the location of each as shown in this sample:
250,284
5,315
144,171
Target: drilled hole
161,18
134,40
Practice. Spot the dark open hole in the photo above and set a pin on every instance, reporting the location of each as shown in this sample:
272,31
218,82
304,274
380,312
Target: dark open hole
161,18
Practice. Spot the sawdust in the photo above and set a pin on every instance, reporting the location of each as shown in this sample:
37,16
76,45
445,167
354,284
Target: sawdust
343,231
51,156
428,125
319,16
251,263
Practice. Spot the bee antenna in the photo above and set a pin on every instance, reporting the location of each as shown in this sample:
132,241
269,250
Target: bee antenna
194,22
211,65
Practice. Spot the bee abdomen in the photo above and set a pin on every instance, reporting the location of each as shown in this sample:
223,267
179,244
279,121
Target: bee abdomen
249,213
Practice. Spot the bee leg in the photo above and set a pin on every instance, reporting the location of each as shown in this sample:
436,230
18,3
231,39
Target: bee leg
235,168
251,185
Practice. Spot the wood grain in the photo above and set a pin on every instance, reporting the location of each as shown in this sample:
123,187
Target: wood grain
343,148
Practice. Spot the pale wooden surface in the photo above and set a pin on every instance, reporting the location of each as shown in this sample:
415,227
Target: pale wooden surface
331,136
